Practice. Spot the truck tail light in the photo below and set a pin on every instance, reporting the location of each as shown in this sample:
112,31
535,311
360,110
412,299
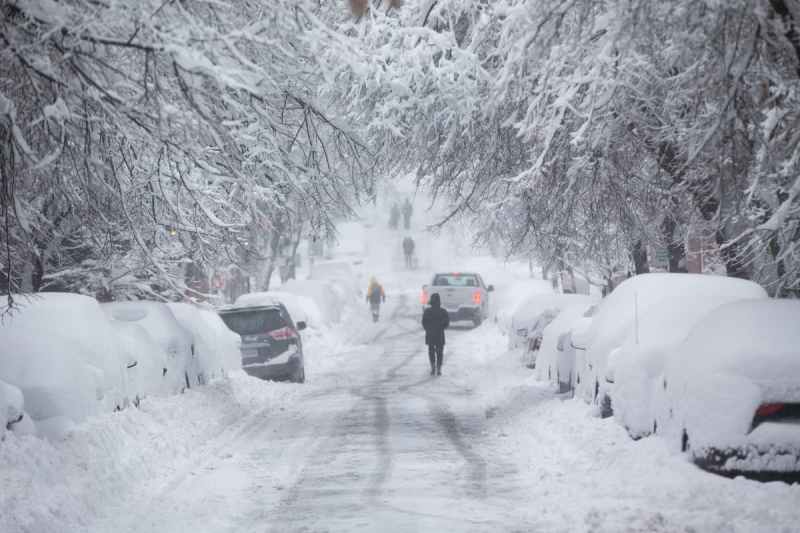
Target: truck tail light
476,297
423,298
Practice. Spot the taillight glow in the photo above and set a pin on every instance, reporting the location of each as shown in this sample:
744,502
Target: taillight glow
282,334
476,297
423,298
769,409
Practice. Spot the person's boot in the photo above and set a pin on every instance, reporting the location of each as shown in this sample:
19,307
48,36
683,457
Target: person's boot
433,371
439,371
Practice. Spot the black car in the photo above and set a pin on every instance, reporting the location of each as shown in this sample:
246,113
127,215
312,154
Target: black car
271,344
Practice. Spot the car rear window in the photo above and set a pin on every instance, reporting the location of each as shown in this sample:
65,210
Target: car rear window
456,280
253,322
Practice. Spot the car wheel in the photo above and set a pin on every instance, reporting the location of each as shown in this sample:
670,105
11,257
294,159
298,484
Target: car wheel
477,321
605,407
300,376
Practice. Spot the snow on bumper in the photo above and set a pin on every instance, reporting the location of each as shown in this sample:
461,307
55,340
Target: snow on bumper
771,447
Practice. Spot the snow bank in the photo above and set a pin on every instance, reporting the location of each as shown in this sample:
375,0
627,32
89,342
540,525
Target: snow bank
59,349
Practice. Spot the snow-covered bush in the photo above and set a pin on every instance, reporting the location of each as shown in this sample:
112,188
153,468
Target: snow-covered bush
172,339
636,324
726,390
60,351
216,348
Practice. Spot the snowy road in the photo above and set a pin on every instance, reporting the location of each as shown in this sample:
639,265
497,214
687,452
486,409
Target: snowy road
388,451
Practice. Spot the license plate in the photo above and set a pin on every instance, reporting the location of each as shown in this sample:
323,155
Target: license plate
249,353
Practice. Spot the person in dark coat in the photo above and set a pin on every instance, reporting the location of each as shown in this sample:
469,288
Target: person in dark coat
435,320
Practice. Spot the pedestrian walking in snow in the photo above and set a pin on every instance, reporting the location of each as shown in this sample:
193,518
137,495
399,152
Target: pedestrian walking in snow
375,296
408,251
394,216
435,320
407,210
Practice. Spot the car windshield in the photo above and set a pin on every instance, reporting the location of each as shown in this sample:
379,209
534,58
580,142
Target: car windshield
254,321
455,280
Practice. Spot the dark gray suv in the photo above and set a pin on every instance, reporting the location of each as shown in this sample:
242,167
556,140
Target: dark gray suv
271,344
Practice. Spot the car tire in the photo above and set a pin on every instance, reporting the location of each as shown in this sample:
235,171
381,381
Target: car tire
685,444
300,376
477,321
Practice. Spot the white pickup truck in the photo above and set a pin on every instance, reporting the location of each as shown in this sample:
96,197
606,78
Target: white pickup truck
464,295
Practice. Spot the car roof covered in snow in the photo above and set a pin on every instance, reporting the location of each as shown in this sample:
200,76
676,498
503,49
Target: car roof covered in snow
756,338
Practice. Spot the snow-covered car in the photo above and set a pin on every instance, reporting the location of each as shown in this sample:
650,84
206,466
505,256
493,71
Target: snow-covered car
328,300
730,393
635,325
176,344
11,403
60,350
556,359
535,313
216,347
464,295
271,345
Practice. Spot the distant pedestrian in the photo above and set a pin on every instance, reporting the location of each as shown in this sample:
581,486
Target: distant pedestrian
375,297
408,251
407,210
435,320
394,216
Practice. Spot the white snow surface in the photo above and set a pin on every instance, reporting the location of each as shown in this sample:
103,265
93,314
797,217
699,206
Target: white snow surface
372,442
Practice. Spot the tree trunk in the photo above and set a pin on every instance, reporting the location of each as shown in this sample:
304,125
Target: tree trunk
675,250
640,262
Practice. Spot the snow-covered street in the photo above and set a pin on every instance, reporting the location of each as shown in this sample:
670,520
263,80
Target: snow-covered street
373,442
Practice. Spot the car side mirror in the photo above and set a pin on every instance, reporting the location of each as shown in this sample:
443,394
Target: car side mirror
301,325
490,288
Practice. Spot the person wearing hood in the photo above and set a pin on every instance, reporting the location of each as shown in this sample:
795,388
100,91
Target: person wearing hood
435,320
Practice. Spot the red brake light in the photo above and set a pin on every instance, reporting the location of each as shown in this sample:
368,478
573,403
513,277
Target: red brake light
424,298
769,409
476,297
282,334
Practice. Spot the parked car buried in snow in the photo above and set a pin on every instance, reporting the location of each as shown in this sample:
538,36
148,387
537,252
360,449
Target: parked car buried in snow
643,317
534,315
730,393
176,344
464,295
271,344
556,358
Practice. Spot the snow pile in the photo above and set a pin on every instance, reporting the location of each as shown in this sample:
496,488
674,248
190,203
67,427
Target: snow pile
508,296
216,348
742,355
631,352
102,464
59,350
